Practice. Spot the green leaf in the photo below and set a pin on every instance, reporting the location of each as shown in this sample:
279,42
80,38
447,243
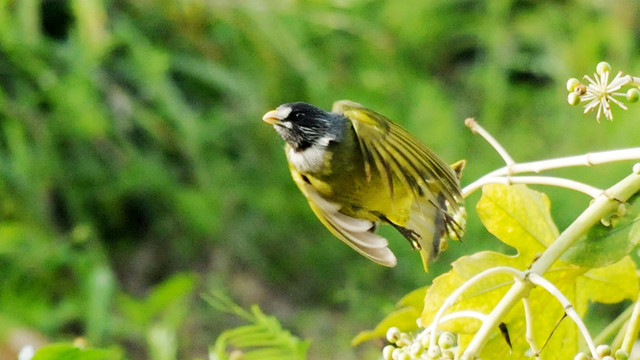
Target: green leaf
403,318
520,217
609,285
605,245
517,216
264,338
70,352
164,298
481,297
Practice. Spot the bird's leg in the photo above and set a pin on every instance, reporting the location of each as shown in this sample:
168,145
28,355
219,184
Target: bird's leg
408,234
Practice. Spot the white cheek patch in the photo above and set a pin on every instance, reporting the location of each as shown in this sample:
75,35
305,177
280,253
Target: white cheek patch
308,160
283,111
324,142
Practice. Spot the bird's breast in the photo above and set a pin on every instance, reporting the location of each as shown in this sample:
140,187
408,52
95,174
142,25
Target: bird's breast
309,160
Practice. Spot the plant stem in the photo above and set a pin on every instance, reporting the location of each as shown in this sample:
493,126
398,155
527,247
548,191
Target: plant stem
568,308
588,159
528,318
604,204
453,297
539,180
470,314
633,327
472,124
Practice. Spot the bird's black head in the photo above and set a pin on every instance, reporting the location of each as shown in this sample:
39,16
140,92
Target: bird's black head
303,125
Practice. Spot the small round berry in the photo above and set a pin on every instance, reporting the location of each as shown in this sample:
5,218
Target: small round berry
416,349
608,357
581,356
387,352
633,95
448,355
621,355
393,334
404,356
434,352
573,99
396,354
603,350
446,340
572,83
603,67
466,356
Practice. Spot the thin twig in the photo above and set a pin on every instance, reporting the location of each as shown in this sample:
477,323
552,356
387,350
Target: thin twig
633,327
528,318
568,307
539,180
463,314
453,297
589,159
602,205
472,124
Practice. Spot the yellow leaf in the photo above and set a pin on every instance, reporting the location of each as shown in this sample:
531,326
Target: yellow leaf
518,216
404,318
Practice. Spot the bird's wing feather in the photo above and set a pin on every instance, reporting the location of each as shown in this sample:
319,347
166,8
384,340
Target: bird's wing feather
394,151
357,233
396,154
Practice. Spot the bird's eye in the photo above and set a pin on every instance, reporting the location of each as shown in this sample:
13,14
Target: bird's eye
299,115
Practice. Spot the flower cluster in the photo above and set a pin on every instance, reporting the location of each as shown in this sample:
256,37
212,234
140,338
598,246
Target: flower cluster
603,352
599,93
405,346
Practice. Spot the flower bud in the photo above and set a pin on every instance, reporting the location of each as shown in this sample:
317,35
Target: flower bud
416,349
603,67
633,95
603,350
446,340
573,99
393,334
434,352
572,83
621,355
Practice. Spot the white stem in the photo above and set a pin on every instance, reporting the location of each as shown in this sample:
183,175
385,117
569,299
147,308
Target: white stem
540,180
568,307
528,318
604,204
589,159
633,327
463,314
451,299
472,124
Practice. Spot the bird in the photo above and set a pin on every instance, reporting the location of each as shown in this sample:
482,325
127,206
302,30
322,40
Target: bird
358,169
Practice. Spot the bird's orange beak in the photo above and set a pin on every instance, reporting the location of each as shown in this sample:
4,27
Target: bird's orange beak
272,117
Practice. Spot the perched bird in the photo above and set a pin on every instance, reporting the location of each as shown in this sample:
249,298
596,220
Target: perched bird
357,169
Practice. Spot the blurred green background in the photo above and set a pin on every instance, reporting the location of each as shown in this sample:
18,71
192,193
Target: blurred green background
136,174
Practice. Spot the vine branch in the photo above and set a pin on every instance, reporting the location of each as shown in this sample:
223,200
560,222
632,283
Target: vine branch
604,204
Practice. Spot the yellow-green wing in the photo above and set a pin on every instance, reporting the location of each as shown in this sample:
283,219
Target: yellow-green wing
399,157
393,152
357,233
